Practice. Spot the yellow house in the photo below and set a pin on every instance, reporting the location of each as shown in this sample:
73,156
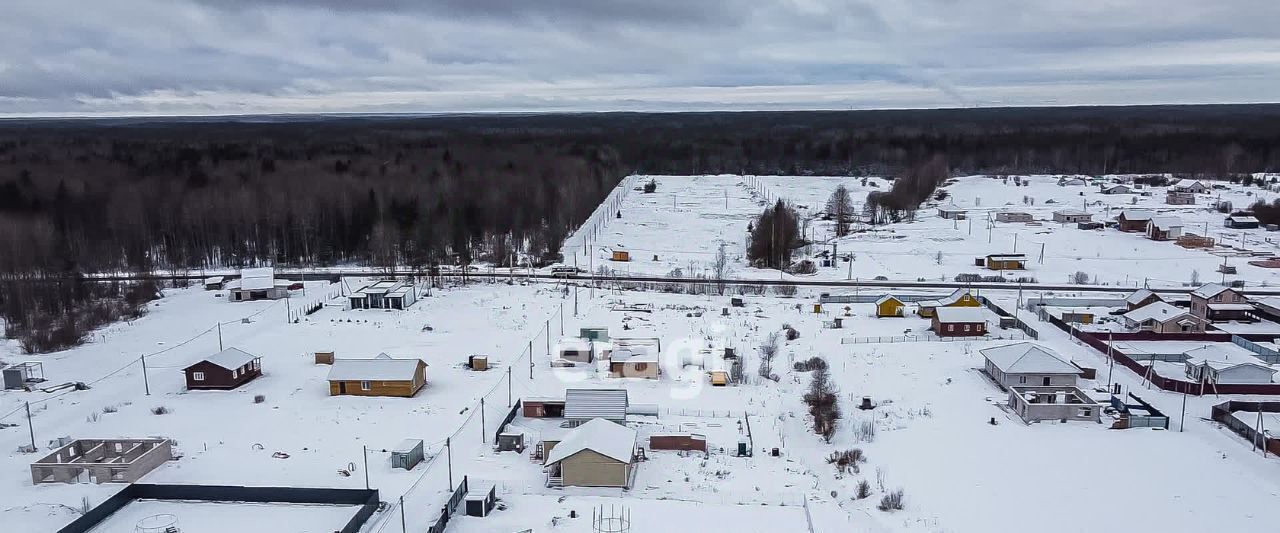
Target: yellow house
621,255
889,305
959,298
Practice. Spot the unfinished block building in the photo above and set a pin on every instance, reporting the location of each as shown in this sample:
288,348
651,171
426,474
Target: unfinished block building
101,461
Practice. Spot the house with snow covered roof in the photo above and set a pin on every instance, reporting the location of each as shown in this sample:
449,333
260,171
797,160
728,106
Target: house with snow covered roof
1028,363
1071,216
960,322
889,305
1219,303
1134,220
381,376
1161,317
257,284
1241,222
1218,364
1189,185
1141,298
957,298
599,453
1164,228
1117,188
224,370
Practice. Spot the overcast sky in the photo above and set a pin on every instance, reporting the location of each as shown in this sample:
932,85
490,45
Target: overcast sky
183,57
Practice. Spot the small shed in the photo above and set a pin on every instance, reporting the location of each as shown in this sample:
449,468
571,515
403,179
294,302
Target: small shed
480,499
324,358
510,442
889,305
951,212
1006,262
585,404
1241,222
737,301
620,255
478,362
542,407
1180,198
224,370
595,334
678,442
20,375
719,378
1014,216
1071,216
213,283
626,363
407,454
575,349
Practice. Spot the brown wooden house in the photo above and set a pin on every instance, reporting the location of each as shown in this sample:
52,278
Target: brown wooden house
380,376
224,370
959,322
1134,220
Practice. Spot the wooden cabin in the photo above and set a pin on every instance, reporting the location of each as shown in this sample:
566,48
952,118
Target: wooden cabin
1006,262
224,370
381,376
889,305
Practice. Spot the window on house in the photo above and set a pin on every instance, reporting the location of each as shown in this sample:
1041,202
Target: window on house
1086,411
197,376
1022,379
235,373
951,327
365,385
119,447
966,327
641,367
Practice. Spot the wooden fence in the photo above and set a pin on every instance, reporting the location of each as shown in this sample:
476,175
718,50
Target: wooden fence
1223,413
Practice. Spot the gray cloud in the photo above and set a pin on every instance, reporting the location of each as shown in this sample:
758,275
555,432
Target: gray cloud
246,56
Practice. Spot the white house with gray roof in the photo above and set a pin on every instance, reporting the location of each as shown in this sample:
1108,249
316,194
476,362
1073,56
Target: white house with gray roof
1028,364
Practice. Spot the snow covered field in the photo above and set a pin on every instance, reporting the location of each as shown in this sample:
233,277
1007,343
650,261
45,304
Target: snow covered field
933,436
683,222
218,517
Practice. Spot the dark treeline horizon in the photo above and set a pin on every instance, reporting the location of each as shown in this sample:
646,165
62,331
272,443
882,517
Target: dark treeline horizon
141,194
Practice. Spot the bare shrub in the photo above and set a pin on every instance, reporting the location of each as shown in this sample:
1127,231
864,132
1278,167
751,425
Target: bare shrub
93,417
792,333
1080,278
160,410
823,404
891,501
784,290
848,460
770,346
810,364
863,491
110,409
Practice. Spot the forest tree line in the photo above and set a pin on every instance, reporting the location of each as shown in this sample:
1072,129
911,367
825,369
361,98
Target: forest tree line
140,195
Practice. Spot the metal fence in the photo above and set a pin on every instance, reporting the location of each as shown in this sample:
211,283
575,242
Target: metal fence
1223,413
1261,352
932,338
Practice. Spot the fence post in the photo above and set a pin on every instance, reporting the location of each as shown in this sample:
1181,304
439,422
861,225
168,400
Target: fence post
403,528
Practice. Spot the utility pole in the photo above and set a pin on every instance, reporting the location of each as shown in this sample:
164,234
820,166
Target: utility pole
562,318
483,433
1112,360
288,312
219,336
508,386
146,385
30,428
448,451
402,523
1042,253
1015,242
575,300
530,360
1182,423
365,456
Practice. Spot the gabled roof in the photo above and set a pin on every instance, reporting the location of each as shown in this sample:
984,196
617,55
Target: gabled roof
1210,290
1116,187
1243,219
1136,214
212,280
1159,311
961,314
1070,212
1165,223
1028,358
230,358
1185,183
606,438
378,369
609,404
888,297
256,279
954,297
1139,295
